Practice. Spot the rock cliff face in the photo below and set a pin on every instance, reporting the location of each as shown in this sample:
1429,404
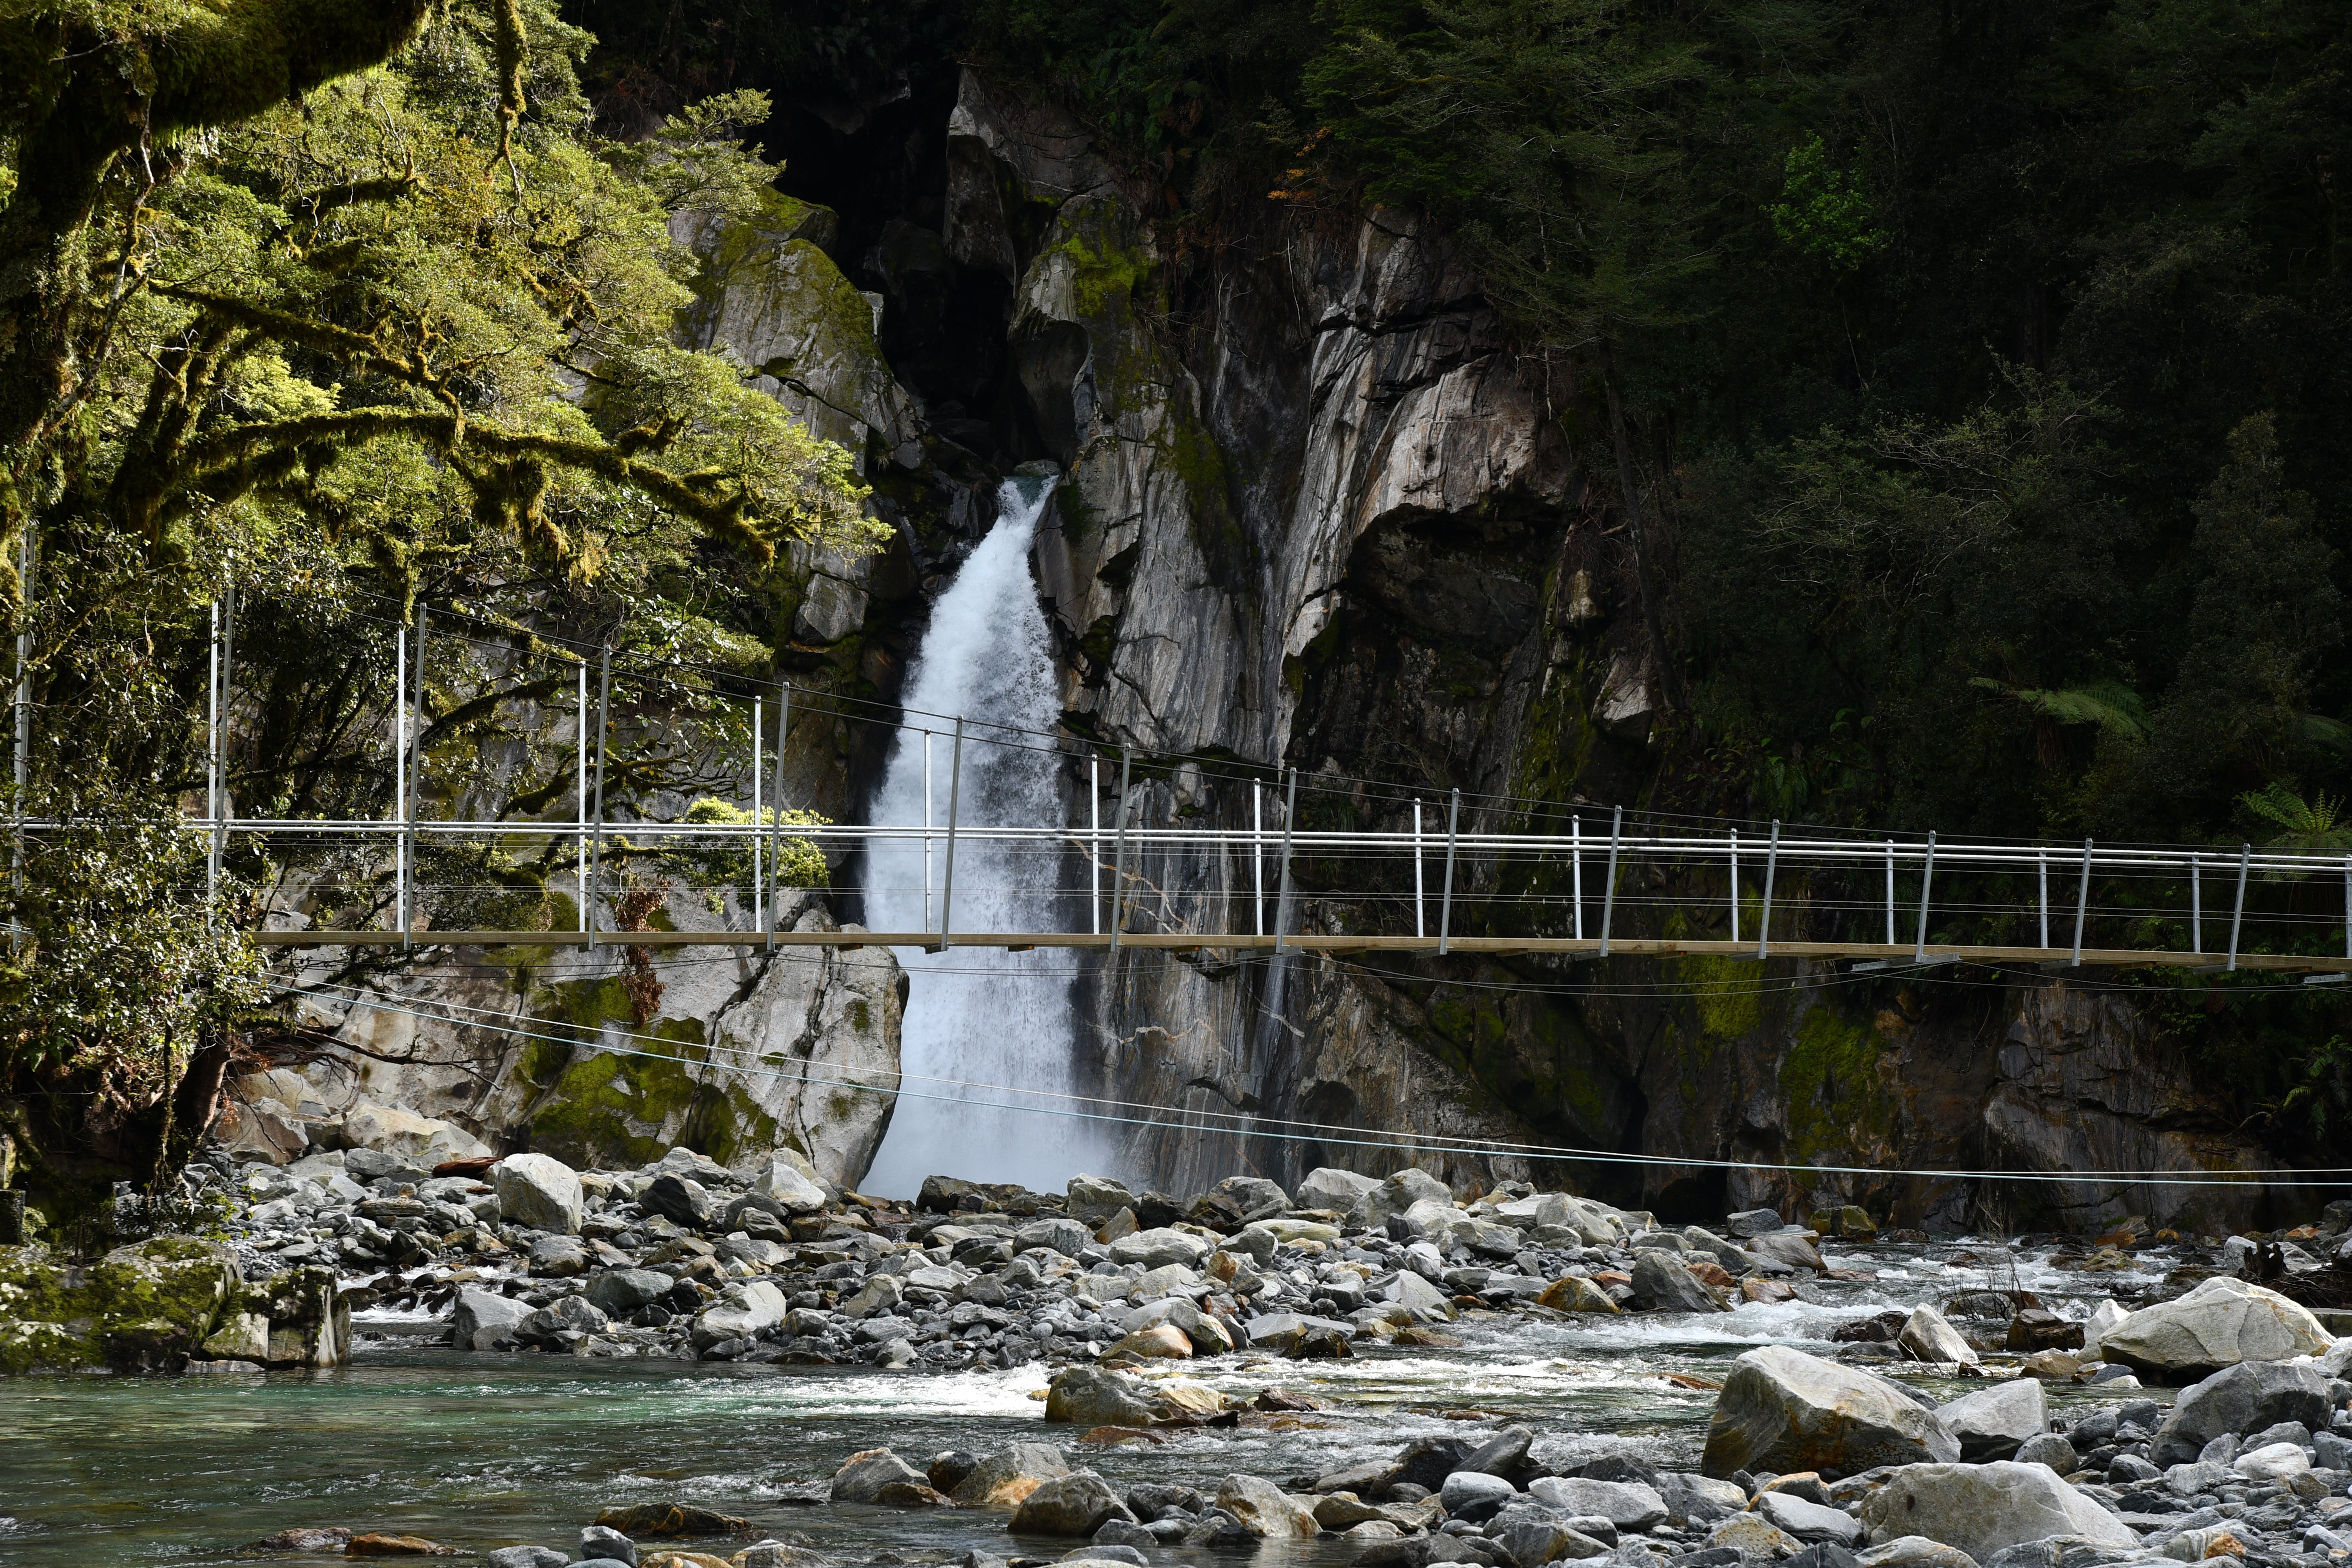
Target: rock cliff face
1317,514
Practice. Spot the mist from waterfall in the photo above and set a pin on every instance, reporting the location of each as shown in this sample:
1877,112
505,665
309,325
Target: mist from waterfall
982,1016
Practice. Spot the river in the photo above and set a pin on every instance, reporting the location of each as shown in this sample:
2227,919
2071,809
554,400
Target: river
479,1451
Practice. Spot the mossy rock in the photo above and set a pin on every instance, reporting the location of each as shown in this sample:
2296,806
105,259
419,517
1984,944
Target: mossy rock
141,1306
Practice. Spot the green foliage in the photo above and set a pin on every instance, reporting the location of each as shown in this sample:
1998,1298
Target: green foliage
796,862
1826,214
2315,823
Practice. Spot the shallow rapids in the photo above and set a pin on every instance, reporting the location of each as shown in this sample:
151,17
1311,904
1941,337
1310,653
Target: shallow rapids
480,1451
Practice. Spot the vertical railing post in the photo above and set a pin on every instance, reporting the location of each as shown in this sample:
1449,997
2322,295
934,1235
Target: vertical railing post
2082,903
2238,910
1281,899
597,839
1417,929
1890,892
2196,903
759,823
1609,888
1771,869
580,804
927,831
1257,850
2348,906
1445,901
1733,877
2042,896
1094,843
955,797
1119,865
776,813
1926,882
1576,870
416,776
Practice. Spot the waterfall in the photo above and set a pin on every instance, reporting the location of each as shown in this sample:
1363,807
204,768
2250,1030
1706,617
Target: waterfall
980,1014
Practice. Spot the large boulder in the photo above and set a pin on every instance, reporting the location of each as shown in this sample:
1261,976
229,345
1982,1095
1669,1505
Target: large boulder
679,1199
482,1318
1628,1505
1004,1480
538,1191
1266,1511
1809,1521
2241,1399
2221,1322
788,1186
863,1475
744,1311
421,1140
1327,1188
1692,1498
1092,1396
1980,1509
1662,1285
144,1306
1154,1247
622,1292
1783,1411
1926,1336
1077,1504
1993,1422
1398,1194
1090,1200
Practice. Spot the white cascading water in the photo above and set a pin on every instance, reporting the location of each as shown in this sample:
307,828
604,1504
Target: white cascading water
982,1025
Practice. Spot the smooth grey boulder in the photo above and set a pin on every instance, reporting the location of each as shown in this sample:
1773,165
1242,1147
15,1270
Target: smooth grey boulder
623,1290
2221,1322
1400,1192
1464,1488
2239,1400
1789,1247
1327,1188
528,1557
1783,1411
1926,1336
1694,1499
567,1314
2049,1449
602,1540
1628,1505
538,1191
1662,1285
1266,1511
1253,1195
1154,1247
1980,1509
1915,1551
2075,1551
1532,1535
1993,1421
1809,1521
1505,1454
863,1475
1753,1223
482,1318
1093,1397
1077,1504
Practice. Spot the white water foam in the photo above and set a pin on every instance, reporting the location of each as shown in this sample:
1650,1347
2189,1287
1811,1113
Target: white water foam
981,1014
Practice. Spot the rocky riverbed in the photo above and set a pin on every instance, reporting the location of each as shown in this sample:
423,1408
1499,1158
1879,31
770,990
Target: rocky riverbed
1384,1371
